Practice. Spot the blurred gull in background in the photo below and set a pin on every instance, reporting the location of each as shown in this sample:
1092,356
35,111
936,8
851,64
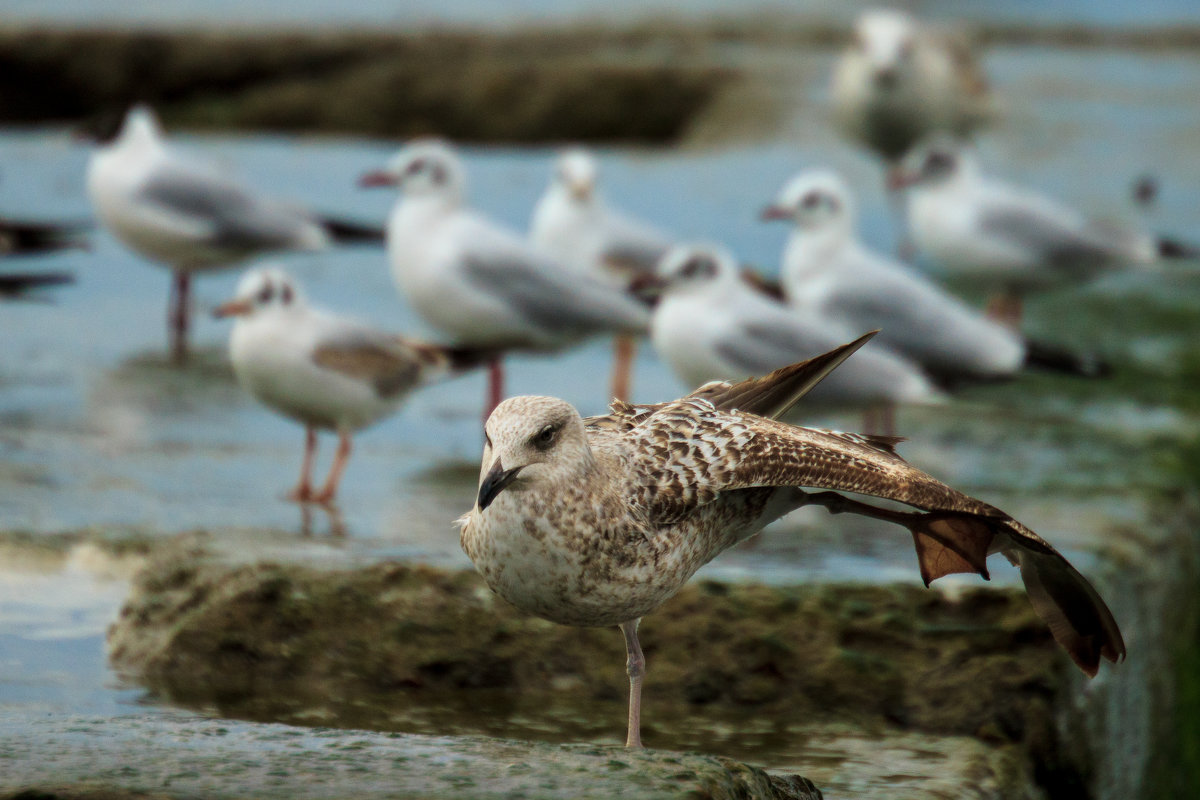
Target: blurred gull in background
899,80
1008,236
187,215
325,371
711,325
481,284
828,273
573,224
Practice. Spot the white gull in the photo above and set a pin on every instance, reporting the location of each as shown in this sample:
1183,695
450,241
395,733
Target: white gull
479,283
326,371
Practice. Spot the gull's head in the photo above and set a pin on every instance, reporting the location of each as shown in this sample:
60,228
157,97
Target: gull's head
695,267
814,200
940,160
138,126
576,172
262,291
427,167
530,442
885,38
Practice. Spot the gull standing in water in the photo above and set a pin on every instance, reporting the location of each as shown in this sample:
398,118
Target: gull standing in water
573,224
828,272
323,370
597,522
186,215
480,283
710,325
1011,237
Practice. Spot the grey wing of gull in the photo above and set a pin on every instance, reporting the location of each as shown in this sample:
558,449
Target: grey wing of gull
1049,238
391,364
916,319
633,247
762,345
236,217
559,303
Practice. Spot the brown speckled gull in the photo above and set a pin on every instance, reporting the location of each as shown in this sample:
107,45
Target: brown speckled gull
597,522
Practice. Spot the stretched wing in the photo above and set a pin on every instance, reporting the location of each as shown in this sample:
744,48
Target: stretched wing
223,212
693,453
392,365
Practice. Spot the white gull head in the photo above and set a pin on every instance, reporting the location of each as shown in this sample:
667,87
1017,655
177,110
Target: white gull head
885,38
816,200
426,168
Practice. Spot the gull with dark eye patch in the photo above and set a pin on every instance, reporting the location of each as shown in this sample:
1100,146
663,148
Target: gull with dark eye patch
325,371
188,216
828,273
481,284
1010,238
709,325
609,522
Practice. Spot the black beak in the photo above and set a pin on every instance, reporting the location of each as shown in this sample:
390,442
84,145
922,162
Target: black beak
494,483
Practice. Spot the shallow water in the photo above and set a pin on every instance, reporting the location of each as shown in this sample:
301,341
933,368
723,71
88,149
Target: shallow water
97,431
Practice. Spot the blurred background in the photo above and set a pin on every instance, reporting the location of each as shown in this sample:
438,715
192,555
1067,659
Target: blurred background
697,113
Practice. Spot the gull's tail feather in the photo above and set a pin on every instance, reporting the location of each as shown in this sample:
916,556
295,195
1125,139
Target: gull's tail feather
344,231
21,237
1176,249
18,283
1053,358
1076,615
773,394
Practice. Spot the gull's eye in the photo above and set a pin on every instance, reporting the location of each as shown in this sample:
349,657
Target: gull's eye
266,294
438,173
286,294
416,166
697,267
545,437
811,201
938,161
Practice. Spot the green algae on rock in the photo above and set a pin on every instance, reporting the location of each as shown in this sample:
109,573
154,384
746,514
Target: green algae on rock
399,647
90,759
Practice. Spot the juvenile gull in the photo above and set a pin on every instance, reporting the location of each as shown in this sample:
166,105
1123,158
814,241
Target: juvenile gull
710,325
829,273
1008,236
482,284
188,216
597,522
574,224
323,370
899,80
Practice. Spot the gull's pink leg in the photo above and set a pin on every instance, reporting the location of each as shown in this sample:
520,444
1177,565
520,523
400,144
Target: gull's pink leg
635,665
177,315
329,490
888,420
624,350
303,491
495,386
